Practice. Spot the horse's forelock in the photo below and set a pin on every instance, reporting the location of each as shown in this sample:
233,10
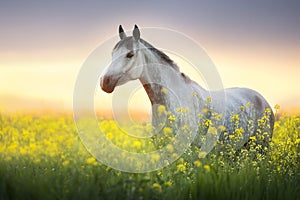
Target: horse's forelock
126,42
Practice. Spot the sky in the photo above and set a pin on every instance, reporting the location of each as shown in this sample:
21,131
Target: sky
43,44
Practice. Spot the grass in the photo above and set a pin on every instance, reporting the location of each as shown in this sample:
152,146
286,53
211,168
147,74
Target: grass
41,157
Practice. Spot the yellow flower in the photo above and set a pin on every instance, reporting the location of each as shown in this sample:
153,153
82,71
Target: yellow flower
242,108
66,163
208,122
212,130
168,183
137,144
268,110
167,130
170,148
253,138
205,110
248,104
23,151
109,135
32,146
207,168
217,117
161,109
155,157
157,187
91,161
185,128
164,90
197,163
277,107
239,131
149,128
172,118
235,117
208,99
174,155
186,110
181,167
222,128
202,154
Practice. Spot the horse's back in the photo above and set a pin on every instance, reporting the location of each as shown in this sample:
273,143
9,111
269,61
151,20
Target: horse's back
236,97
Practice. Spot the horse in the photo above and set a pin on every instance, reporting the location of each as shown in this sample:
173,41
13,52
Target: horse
170,90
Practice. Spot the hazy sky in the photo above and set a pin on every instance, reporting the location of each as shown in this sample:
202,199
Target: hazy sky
254,44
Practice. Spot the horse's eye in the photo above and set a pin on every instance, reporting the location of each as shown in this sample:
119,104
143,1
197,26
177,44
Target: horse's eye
130,54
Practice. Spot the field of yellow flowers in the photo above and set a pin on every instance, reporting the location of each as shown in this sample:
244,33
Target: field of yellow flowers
42,157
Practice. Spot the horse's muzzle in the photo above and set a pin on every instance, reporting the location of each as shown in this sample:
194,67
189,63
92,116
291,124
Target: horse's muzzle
108,83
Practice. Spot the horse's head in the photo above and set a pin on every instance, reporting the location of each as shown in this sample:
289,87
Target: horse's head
127,61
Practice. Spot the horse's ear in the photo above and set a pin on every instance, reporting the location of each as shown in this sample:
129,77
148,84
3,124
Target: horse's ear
136,33
121,33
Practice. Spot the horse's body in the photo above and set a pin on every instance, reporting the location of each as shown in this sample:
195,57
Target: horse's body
134,58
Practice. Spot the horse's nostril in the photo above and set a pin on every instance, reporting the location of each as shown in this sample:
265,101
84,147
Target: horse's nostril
107,80
108,83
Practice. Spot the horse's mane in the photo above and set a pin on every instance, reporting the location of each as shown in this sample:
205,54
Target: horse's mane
166,58
161,54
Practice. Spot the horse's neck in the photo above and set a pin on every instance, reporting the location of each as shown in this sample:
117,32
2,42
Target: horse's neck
157,88
155,85
155,94
165,85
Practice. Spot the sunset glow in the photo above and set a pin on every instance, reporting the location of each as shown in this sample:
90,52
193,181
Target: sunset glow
42,52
